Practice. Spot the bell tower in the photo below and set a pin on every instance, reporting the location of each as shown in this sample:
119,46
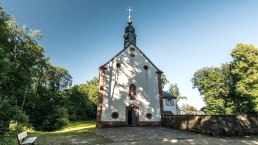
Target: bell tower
129,36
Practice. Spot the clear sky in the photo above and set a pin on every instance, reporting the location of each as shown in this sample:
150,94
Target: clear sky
179,36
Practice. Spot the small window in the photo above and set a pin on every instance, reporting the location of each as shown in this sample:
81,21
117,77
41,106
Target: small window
169,102
148,115
118,65
132,92
115,115
101,88
132,49
132,54
145,67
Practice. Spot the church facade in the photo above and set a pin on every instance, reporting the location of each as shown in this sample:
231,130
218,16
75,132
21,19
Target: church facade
130,87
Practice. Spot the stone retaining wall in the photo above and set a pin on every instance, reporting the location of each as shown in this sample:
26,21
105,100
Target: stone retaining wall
216,125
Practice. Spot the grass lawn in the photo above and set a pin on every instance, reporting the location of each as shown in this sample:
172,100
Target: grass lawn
82,132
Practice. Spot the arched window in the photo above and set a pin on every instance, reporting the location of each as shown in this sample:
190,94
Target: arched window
146,67
132,92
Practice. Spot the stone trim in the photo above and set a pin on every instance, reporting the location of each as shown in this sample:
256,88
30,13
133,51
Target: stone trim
101,92
104,124
160,94
149,123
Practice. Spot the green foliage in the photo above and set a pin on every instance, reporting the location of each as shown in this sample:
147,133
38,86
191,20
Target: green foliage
214,84
48,97
244,71
57,119
231,88
174,91
9,138
93,82
30,86
164,80
186,108
81,100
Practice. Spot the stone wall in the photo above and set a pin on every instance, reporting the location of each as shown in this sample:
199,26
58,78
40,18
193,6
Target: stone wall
216,125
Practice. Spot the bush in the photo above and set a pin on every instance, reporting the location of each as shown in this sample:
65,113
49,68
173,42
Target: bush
81,101
8,138
56,119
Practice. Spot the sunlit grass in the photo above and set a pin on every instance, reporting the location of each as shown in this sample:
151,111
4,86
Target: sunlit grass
76,126
72,127
81,131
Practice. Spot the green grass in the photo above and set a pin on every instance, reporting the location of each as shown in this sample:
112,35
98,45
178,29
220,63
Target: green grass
82,132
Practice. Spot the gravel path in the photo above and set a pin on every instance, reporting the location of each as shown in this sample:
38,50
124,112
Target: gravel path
142,133
163,135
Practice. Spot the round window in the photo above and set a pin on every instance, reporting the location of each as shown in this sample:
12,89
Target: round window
148,115
115,115
118,65
132,49
145,67
132,54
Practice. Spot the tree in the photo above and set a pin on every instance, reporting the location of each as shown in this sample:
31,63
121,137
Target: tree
47,104
4,62
187,108
164,80
174,91
8,111
30,84
244,71
212,83
231,88
81,100
93,82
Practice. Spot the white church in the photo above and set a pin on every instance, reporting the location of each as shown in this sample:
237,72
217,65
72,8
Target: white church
130,88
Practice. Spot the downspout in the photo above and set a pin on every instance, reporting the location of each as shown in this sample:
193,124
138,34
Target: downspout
176,108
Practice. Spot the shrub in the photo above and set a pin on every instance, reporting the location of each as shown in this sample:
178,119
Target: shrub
8,138
56,119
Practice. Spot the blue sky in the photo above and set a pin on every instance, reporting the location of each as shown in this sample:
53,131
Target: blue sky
179,36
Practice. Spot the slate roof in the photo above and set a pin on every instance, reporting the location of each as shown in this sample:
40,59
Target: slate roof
167,113
167,95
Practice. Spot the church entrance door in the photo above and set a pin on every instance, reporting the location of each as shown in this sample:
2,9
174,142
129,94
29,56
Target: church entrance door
132,116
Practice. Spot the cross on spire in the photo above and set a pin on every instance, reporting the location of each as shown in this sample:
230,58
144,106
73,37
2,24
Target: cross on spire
129,11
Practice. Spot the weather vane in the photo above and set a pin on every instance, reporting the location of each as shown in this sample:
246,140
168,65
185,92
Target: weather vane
129,11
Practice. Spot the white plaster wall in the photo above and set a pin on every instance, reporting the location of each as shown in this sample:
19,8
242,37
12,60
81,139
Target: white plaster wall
174,109
116,89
